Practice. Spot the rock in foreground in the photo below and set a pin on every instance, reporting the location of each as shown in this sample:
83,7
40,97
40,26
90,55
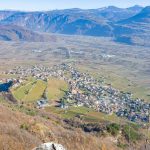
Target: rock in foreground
50,146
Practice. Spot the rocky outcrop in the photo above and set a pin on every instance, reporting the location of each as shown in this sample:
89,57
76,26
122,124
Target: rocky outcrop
50,146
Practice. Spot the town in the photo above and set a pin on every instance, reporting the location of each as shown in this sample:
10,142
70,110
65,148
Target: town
86,91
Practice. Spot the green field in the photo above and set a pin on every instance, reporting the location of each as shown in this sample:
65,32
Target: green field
87,114
56,88
21,92
31,90
36,91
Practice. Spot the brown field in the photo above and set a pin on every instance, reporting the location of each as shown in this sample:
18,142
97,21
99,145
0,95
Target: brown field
56,88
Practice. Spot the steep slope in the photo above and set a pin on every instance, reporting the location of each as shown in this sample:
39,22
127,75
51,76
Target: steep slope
87,27
135,30
142,17
61,22
6,14
34,21
16,33
95,22
116,14
20,130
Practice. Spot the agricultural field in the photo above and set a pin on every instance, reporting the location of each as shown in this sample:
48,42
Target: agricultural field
56,88
36,92
32,90
21,92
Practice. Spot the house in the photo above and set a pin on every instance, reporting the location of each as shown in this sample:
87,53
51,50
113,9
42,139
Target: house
42,103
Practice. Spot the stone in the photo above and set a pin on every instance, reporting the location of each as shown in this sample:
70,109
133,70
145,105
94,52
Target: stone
50,146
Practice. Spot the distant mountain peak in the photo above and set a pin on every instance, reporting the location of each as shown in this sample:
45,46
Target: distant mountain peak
113,8
146,10
135,8
142,17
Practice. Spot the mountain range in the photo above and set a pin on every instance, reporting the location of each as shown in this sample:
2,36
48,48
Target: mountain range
127,25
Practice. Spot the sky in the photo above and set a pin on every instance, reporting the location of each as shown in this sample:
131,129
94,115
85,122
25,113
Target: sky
37,5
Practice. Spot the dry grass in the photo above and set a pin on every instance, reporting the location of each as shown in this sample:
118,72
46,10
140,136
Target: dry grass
14,137
56,88
11,136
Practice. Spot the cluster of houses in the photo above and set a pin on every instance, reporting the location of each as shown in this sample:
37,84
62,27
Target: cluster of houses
87,91
84,90
39,72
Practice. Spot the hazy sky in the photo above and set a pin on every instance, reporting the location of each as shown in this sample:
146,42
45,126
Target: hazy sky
33,5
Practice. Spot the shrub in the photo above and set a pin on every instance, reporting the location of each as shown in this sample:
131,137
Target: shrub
113,129
24,126
130,133
122,145
31,112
